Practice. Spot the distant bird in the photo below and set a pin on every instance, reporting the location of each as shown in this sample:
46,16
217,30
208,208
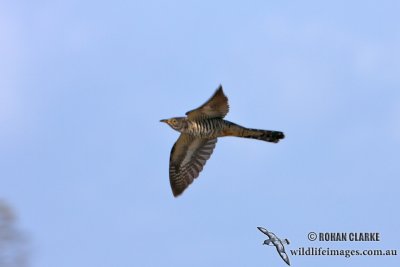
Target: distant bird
278,243
199,133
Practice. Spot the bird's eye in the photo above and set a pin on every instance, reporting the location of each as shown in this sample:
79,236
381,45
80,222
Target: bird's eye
173,121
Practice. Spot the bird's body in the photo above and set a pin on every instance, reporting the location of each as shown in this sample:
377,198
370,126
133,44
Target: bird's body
216,127
209,128
199,133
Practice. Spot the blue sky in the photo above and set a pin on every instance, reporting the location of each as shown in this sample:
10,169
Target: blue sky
84,158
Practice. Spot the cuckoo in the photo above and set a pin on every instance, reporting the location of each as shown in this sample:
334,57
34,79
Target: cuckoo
199,132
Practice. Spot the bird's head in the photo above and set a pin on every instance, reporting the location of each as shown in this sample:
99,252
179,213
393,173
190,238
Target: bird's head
175,123
267,242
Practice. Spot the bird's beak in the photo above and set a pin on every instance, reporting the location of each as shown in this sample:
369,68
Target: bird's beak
163,121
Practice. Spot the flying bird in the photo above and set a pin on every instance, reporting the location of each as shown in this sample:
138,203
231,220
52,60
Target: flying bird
278,243
199,132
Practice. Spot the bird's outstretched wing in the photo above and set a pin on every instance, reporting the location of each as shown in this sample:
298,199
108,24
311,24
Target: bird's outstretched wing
188,157
281,251
216,107
265,231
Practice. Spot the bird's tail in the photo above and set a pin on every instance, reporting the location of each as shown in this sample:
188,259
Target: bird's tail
233,129
265,135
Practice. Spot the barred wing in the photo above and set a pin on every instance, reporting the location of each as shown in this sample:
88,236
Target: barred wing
188,157
216,107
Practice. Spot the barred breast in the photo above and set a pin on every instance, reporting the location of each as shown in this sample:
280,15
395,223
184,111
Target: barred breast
210,128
